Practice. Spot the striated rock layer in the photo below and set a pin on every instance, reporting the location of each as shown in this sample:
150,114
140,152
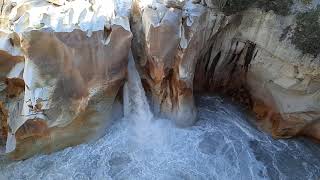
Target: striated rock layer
254,61
62,64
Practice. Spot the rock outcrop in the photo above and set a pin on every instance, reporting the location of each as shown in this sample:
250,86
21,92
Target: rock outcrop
73,63
255,62
63,63
167,44
187,46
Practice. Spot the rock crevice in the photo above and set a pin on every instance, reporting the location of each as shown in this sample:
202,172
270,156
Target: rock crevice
250,63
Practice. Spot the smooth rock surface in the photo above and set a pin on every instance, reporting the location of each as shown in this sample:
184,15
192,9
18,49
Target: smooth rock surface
64,63
167,44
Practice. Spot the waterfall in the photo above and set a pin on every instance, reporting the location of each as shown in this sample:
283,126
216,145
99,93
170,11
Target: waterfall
222,145
136,107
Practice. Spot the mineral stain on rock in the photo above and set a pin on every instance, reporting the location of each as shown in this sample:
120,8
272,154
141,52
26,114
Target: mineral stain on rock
3,124
64,64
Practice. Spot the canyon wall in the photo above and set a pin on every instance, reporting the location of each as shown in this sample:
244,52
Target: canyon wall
63,65
252,56
254,62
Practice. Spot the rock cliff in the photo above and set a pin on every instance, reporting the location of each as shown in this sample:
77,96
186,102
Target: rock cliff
255,62
167,42
61,68
63,64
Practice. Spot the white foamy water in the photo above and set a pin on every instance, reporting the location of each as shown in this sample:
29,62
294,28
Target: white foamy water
135,104
221,145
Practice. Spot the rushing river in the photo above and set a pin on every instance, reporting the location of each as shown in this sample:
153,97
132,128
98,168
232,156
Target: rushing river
221,145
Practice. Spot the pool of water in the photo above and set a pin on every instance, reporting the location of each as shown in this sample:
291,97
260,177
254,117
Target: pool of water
221,145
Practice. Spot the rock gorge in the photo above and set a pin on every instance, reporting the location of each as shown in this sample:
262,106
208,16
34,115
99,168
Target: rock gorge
63,65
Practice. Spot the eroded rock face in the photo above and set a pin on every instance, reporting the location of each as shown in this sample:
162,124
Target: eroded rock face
63,62
167,44
11,87
254,62
73,63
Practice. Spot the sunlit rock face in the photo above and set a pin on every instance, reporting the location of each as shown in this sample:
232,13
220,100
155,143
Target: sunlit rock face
11,83
169,36
254,61
64,63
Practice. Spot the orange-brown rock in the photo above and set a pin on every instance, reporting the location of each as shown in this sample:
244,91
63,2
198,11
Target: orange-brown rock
312,131
7,63
3,123
274,122
64,91
36,137
166,45
61,67
14,87
248,62
33,128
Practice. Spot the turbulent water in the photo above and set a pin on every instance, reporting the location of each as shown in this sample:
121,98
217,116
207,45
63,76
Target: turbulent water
221,145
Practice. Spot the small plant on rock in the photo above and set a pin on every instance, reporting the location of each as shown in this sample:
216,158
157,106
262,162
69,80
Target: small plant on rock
306,36
281,7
